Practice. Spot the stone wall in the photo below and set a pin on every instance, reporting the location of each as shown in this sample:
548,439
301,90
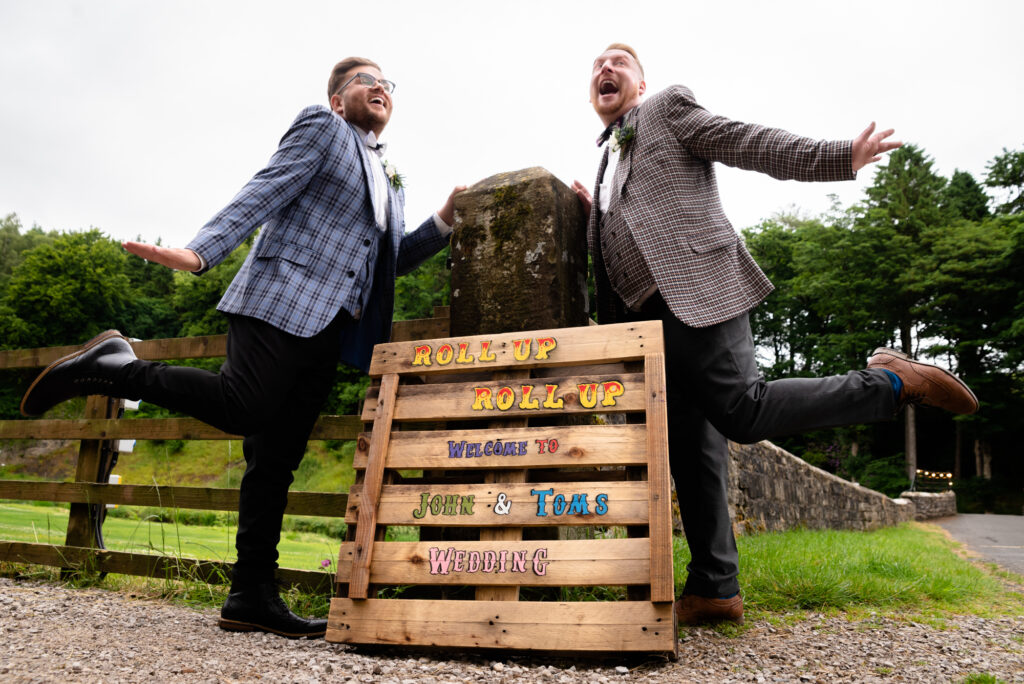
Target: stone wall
931,505
772,490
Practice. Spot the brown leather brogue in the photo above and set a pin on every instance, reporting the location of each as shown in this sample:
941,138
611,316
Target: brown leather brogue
696,610
925,383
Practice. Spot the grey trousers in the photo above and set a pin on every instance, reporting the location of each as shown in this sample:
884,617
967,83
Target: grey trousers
715,394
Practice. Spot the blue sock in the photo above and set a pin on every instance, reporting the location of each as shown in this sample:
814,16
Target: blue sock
897,384
729,596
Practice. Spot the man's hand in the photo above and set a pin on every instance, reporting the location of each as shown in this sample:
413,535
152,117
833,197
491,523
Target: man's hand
447,212
171,257
868,148
585,199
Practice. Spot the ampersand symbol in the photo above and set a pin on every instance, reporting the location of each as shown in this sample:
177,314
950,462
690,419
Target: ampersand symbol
502,506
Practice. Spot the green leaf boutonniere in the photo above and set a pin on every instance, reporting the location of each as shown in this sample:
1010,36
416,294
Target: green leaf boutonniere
396,179
621,137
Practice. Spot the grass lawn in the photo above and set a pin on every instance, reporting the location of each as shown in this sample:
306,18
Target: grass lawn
913,570
47,524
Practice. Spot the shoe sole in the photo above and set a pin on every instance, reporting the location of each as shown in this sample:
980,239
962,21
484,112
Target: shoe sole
237,626
103,336
900,355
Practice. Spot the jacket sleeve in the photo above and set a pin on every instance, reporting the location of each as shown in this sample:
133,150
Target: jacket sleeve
773,151
420,245
298,158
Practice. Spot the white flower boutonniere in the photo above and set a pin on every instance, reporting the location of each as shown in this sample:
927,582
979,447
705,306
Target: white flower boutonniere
396,179
621,137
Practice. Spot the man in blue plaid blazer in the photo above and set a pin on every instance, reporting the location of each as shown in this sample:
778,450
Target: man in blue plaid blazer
663,249
317,287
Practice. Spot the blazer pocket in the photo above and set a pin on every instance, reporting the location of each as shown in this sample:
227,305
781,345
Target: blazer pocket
718,240
287,251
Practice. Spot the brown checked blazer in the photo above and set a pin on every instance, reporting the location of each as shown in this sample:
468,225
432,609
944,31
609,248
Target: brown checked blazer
669,200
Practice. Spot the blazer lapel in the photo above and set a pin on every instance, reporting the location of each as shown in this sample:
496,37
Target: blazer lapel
626,155
395,212
365,160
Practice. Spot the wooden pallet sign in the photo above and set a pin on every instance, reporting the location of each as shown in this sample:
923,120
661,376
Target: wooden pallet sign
512,432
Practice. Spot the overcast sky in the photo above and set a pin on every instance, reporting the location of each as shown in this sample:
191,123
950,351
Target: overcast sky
145,118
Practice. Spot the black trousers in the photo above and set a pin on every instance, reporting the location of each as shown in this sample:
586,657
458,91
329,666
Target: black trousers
715,393
270,390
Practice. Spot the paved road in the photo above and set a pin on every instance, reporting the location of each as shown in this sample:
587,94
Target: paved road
996,538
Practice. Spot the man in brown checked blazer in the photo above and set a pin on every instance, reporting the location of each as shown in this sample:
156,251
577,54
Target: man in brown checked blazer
663,249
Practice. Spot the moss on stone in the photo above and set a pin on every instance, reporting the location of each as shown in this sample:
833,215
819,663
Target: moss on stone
510,213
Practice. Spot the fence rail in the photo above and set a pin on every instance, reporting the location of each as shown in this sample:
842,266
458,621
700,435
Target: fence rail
99,432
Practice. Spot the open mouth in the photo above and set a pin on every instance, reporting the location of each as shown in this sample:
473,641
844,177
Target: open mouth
377,100
607,88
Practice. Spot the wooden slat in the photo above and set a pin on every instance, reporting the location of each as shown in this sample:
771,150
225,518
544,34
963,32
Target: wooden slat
455,401
577,446
660,488
569,563
568,346
167,349
145,565
327,427
177,348
624,503
363,548
419,329
606,627
323,504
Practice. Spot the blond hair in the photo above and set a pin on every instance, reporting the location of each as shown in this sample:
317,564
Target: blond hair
631,51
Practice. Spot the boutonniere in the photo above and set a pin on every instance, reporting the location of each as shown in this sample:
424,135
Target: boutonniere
396,179
621,137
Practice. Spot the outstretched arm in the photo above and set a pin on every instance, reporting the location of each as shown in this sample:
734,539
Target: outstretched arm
171,257
868,148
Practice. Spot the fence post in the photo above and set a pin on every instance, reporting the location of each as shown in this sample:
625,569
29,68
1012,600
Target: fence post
93,457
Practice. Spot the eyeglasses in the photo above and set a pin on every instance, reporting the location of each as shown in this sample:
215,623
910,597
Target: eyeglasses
370,81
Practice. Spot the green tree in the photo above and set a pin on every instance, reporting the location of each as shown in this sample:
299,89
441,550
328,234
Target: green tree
66,291
1006,172
964,197
195,298
14,243
905,200
429,285
820,319
972,297
150,312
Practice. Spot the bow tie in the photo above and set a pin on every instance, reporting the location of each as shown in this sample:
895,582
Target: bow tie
603,138
377,147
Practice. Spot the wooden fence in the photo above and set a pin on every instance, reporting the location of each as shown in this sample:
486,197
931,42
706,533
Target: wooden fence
99,431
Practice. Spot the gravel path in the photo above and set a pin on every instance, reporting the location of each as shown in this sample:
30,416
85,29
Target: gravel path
55,634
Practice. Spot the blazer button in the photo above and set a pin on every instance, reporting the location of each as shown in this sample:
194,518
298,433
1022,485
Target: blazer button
366,243
351,274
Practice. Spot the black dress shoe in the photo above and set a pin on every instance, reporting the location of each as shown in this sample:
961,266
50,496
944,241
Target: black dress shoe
93,369
259,608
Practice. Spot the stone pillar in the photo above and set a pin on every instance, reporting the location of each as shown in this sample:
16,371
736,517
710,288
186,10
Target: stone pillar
519,262
519,255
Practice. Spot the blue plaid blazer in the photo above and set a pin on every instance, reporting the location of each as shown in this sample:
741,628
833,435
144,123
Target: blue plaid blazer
314,202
